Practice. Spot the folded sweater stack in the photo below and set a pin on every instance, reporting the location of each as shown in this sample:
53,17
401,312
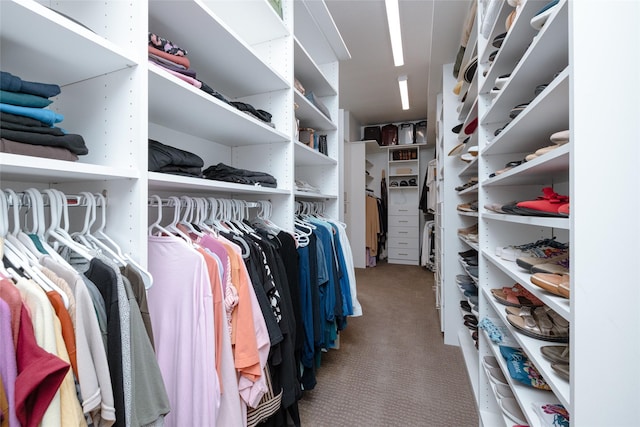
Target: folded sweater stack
173,59
27,127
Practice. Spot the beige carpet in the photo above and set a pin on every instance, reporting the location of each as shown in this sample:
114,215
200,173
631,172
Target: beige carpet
392,368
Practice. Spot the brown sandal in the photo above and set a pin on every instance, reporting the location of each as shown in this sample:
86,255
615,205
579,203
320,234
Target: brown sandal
557,284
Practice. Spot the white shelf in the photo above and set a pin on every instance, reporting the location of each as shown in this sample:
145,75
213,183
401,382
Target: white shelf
310,195
78,53
524,133
255,22
546,56
557,303
306,156
525,395
473,245
209,41
197,113
532,347
309,74
317,32
551,222
15,167
310,116
470,355
514,44
550,167
167,182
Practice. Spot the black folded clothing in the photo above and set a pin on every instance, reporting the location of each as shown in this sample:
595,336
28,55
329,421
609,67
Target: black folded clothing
222,172
161,156
72,142
260,114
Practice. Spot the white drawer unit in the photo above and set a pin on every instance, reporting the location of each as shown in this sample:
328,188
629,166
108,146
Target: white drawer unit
403,232
408,209
403,243
404,221
403,256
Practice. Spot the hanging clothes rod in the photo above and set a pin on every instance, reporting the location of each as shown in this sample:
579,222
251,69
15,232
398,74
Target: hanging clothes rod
73,200
171,202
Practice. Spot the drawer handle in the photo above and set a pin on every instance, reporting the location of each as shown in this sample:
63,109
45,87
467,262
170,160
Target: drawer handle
403,232
400,253
402,243
403,210
403,221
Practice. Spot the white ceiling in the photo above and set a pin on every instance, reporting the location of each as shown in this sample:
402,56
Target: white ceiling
368,81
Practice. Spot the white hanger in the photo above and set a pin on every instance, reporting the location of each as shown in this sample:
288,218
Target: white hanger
100,237
20,256
156,225
92,241
216,214
58,233
37,205
187,218
202,213
173,227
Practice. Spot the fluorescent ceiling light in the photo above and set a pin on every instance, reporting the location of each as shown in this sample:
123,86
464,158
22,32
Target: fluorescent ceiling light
393,18
404,92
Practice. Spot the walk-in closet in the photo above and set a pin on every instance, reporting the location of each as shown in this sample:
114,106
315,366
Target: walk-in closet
319,212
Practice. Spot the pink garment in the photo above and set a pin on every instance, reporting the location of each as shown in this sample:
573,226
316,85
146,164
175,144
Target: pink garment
194,82
8,367
230,413
181,309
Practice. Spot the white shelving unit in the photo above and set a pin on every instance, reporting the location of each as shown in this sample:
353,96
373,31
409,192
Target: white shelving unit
557,55
403,235
317,49
117,100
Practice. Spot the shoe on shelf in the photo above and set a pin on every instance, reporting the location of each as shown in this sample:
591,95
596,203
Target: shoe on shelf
557,284
497,207
561,266
563,210
470,183
528,262
468,253
537,323
468,207
545,205
540,248
516,296
555,353
560,138
469,230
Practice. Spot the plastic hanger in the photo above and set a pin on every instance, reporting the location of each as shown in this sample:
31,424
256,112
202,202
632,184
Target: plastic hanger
100,237
91,241
18,255
36,204
58,233
187,218
156,225
173,227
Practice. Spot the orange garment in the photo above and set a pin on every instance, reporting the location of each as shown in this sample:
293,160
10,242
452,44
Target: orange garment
182,60
218,322
372,225
11,295
68,333
243,336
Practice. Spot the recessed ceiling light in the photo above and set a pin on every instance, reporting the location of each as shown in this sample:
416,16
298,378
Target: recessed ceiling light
404,92
393,19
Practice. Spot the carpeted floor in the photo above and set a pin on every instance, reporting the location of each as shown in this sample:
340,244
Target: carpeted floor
392,368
